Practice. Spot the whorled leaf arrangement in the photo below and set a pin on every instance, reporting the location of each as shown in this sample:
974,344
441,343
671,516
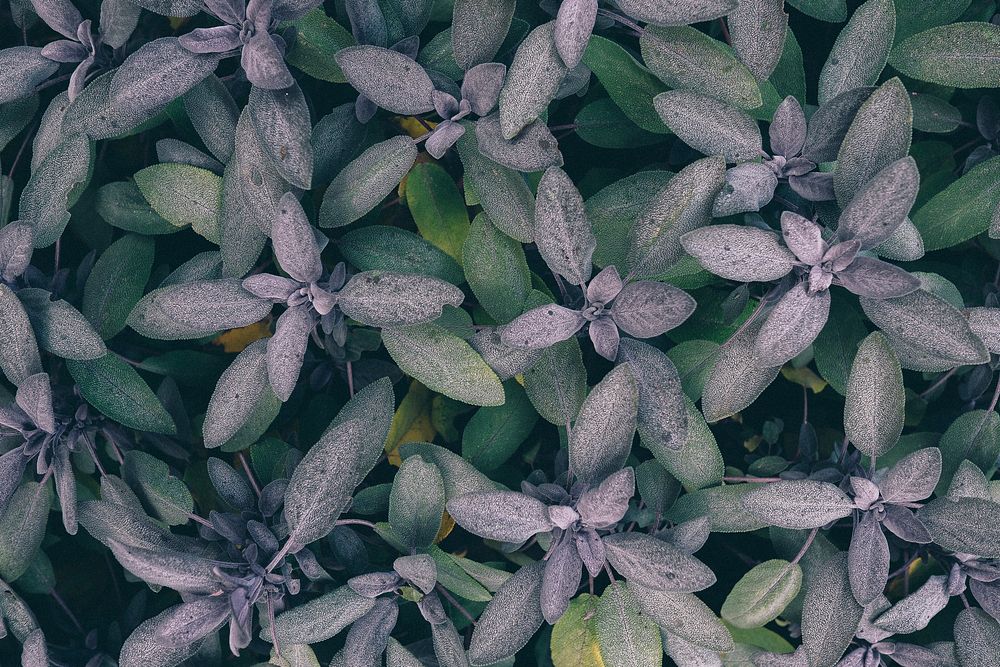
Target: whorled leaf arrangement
293,306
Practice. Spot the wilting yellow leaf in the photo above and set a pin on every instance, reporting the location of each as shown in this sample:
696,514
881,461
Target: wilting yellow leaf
414,127
804,376
235,340
412,421
447,525
574,636
751,444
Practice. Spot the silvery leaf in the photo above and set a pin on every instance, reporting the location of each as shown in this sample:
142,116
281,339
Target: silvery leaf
798,504
788,128
34,396
814,186
445,105
605,286
645,309
444,137
271,287
186,623
196,309
264,62
905,525
881,205
873,413
830,123
218,39
294,241
366,181
25,68
15,250
237,394
156,74
511,618
562,232
830,614
574,23
803,237
323,482
390,79
868,559
601,437
876,279
561,578
19,357
504,516
374,584
384,299
283,126
181,571
605,505
533,80
60,15
369,635
231,486
287,349
737,378
792,325
968,525
710,126
603,333
916,610
662,418
861,50
749,187
745,254
590,546
866,492
506,361
533,149
481,87
676,12
656,564
976,637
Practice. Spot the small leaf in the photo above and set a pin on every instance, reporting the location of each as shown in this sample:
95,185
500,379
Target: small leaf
762,594
115,388
873,415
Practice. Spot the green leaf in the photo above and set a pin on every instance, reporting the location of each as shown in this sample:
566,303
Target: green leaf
762,594
383,248
837,343
693,359
416,502
963,209
122,205
366,181
496,270
698,464
873,414
437,208
116,283
603,124
627,638
321,618
933,114
789,76
574,640
710,126
556,384
861,50
184,195
444,363
974,436
682,57
494,433
963,55
629,84
61,329
968,525
830,614
115,388
683,615
913,16
977,638
150,478
833,11
318,38
55,186
23,523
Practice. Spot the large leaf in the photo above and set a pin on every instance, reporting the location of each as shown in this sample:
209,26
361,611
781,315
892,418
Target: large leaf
556,384
417,502
963,209
183,195
322,484
830,614
511,619
563,234
762,594
196,309
23,521
116,283
630,85
710,126
437,208
627,638
962,55
973,437
479,29
798,503
443,362
533,79
115,388
601,438
167,497
873,415
388,78
496,270
61,329
861,50
968,525
366,181
55,186
237,395
322,618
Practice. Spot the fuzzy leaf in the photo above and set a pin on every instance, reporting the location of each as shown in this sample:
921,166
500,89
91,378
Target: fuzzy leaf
745,254
115,388
511,618
533,79
417,502
861,50
798,504
762,594
196,309
601,438
873,415
366,181
710,126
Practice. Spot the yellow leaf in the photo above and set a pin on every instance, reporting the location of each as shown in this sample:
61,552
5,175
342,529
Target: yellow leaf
447,525
574,636
804,376
414,127
412,421
751,444
235,340
520,379
176,22
421,430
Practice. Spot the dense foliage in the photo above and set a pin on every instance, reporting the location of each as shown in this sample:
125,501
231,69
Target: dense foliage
327,330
